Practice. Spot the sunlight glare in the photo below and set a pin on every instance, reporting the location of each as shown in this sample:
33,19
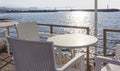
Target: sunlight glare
79,19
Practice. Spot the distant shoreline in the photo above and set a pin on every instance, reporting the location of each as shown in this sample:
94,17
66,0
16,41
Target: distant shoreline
99,10
89,10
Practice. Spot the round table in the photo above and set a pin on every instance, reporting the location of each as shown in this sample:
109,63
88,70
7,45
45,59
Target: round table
74,41
6,24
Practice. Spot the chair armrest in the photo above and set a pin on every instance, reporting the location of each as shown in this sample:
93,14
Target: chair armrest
108,60
72,62
100,59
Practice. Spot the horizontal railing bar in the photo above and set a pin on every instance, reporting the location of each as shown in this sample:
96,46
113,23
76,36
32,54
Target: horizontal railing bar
106,48
63,26
109,39
111,30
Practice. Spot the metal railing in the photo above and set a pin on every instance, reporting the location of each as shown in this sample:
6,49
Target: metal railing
64,26
105,31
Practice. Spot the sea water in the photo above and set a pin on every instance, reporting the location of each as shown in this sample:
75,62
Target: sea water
106,20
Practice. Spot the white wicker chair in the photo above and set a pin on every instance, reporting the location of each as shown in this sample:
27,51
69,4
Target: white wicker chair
38,56
29,31
113,63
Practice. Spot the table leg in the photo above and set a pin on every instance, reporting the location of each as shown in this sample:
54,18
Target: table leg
8,48
88,68
72,53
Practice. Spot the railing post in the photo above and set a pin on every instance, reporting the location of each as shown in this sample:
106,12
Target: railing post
51,29
104,42
88,30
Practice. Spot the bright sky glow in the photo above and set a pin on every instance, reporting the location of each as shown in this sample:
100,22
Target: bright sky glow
81,4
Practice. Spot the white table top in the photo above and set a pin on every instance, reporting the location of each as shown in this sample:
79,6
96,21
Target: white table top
7,23
73,40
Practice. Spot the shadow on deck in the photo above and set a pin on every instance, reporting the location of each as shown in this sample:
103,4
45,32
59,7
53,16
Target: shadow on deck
6,63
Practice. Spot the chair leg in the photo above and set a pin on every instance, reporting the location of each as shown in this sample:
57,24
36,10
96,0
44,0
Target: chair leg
82,66
8,50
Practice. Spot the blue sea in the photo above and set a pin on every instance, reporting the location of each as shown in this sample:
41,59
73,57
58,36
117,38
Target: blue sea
106,20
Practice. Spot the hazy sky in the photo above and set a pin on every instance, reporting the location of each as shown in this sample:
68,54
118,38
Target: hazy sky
60,3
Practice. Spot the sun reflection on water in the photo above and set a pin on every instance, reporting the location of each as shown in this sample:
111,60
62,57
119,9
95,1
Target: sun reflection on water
84,19
79,18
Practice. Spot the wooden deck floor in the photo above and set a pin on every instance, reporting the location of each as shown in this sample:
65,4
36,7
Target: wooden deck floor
6,63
